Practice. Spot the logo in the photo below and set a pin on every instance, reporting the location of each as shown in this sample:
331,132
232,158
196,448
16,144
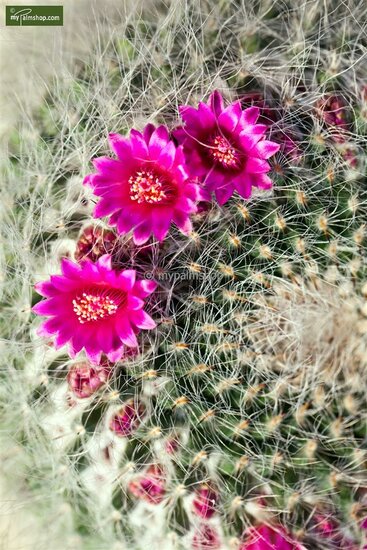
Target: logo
21,16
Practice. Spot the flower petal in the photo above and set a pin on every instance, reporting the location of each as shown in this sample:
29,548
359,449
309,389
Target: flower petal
142,320
267,149
125,331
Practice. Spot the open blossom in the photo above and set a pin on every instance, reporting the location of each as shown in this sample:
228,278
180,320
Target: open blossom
91,306
147,187
149,486
225,149
265,537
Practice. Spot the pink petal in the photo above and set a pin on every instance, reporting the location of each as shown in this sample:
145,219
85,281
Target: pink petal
161,221
267,149
49,307
134,303
105,207
142,320
105,262
182,221
243,185
207,118
49,327
120,145
145,287
229,118
70,269
138,145
142,232
158,141
46,289
251,115
126,332
148,130
223,194
216,103
257,166
127,279
167,155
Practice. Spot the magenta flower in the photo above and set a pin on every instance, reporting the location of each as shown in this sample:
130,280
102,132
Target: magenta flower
225,148
127,419
149,486
265,537
146,187
91,306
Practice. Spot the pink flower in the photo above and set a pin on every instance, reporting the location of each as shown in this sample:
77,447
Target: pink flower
127,418
149,486
91,306
265,537
84,379
206,538
146,187
225,148
205,501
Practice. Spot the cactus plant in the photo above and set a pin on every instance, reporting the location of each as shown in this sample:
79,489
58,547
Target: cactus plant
239,420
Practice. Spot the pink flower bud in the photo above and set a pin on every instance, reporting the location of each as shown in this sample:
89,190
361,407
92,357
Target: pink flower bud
206,538
127,419
333,110
149,486
93,243
84,379
205,501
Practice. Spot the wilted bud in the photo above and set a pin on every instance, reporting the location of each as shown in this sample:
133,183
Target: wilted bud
127,419
149,486
205,501
84,379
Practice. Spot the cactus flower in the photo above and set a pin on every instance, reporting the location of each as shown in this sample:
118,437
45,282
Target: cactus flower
225,147
146,187
91,306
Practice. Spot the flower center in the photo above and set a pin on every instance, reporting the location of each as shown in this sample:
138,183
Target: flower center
223,152
91,306
146,187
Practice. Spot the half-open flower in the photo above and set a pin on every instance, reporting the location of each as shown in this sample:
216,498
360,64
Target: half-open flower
225,149
91,306
147,187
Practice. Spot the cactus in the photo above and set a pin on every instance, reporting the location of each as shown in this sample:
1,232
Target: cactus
240,420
